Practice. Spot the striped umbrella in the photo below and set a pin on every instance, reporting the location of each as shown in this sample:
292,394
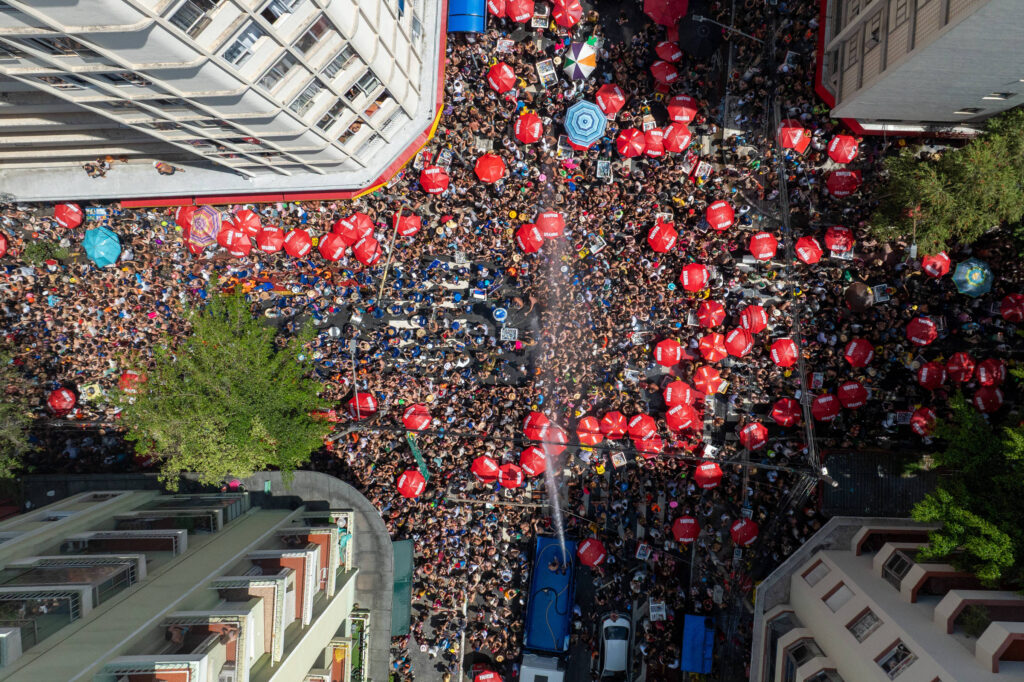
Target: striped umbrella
580,61
585,123
205,226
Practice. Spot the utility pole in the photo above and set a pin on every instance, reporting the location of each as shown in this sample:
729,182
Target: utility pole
355,387
391,253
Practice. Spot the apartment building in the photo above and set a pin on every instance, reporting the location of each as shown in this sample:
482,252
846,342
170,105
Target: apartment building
920,65
853,604
247,97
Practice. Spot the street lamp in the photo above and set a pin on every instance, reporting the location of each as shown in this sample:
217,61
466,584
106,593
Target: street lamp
699,19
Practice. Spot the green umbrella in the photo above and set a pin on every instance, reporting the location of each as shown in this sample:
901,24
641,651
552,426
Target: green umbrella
102,246
973,277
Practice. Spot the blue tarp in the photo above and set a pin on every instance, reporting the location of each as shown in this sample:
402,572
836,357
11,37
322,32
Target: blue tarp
467,16
698,644
549,610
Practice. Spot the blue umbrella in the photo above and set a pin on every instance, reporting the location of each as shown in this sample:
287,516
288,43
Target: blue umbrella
102,246
585,123
973,277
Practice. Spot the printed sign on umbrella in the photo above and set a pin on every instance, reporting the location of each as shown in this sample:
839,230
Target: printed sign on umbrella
611,98
842,148
682,108
677,137
567,13
664,72
529,128
631,142
662,237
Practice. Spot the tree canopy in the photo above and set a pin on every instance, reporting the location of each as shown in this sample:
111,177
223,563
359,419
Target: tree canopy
227,400
960,194
14,420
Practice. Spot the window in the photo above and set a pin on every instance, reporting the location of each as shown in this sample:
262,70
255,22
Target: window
896,660
375,105
65,82
191,16
241,49
371,142
852,53
901,13
332,115
308,40
836,598
368,82
1000,95
824,676
277,9
896,568
125,78
417,30
354,128
340,61
863,625
59,46
815,573
803,651
278,71
874,36
304,101
852,9
966,111
9,52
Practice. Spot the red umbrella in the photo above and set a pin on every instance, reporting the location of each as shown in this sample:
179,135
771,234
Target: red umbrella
763,246
61,401
411,483
654,146
808,250
642,427
297,243
408,224
519,11
710,313
554,439
354,227
852,394
694,277
331,247
792,135
1012,308
669,51
610,98
510,476
921,331
183,216
630,142
496,7
532,461
786,412
784,352
754,436
551,224
649,447
990,372
534,423
129,382
960,367
591,552
362,405
685,529
668,352
923,421
666,12
247,222
743,532
501,77
433,179
842,183
839,239
270,239
988,399
707,475
682,108
712,347
529,128
613,425
68,215
682,417
529,238
487,676
825,407
739,342
416,417
367,251
707,380
567,13
720,215
662,237
485,469
581,148
754,319
678,393
489,168
664,72
937,265
842,148
677,137
232,239
931,375
859,352
588,431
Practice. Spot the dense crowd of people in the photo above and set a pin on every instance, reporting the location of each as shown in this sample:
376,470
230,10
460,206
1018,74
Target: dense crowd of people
589,307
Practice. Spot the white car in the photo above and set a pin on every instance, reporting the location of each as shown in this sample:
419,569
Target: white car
614,647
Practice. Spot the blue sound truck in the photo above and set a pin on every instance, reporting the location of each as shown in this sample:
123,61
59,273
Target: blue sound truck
549,611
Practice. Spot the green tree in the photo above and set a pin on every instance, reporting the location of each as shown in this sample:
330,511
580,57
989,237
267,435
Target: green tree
961,194
14,420
227,400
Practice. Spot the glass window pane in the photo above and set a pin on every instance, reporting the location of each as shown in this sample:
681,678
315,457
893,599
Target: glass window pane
278,71
313,34
340,61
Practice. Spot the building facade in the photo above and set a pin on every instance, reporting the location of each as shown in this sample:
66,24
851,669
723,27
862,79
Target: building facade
853,604
920,65
247,96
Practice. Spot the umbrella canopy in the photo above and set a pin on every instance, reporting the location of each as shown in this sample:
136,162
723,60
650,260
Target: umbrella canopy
937,265
61,401
712,347
585,123
922,422
792,135
649,447
1012,308
183,216
613,425
662,237
68,216
666,12
354,227
248,222
720,215
591,552
411,483
630,142
669,51
567,13
682,108
859,352
433,179
973,277
988,399
707,380
707,475
297,243
611,98
739,342
588,431
921,331
664,72
534,424
642,427
416,417
529,239
685,529
682,417
519,11
496,7
407,224
699,38
270,239
489,168
839,239
529,128
842,148
510,476
331,247
487,676
784,352
654,146
710,313
554,439
990,372
960,367
852,394
366,250
931,375
808,250
129,382
485,469
786,412
694,277
235,241
668,352
501,77
206,223
743,532
580,59
825,407
754,319
362,405
678,393
677,137
763,246
102,246
754,436
551,224
842,183
532,461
